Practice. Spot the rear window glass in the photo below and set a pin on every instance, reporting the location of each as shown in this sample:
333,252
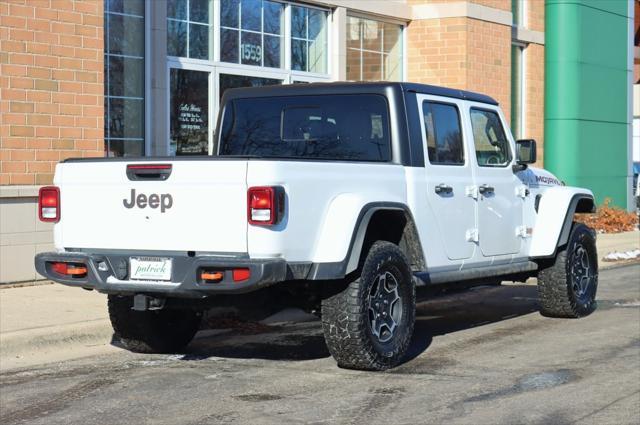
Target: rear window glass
332,127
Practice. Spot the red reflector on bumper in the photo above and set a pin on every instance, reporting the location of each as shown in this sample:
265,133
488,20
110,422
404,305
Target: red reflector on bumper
241,274
69,269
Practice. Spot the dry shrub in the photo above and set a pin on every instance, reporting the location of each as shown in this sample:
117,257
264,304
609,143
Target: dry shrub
609,219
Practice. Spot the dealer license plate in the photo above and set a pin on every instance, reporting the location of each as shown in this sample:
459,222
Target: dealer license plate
150,268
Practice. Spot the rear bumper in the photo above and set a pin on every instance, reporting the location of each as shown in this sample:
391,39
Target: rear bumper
185,281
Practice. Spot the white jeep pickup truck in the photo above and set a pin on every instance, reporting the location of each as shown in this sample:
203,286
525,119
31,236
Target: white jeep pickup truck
350,195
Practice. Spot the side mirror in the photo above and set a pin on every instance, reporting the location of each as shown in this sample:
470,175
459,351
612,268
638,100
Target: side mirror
525,154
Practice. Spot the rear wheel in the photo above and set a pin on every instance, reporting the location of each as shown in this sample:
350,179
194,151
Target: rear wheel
369,324
152,331
567,286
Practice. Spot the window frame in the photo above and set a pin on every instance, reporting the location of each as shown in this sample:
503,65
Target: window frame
189,22
506,134
261,33
287,74
146,89
519,92
290,37
435,131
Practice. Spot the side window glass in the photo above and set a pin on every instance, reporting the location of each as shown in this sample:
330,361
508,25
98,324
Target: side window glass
490,140
444,136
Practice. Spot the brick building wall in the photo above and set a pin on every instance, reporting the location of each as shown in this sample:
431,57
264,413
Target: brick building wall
51,108
489,61
437,52
535,15
462,53
496,4
51,86
475,54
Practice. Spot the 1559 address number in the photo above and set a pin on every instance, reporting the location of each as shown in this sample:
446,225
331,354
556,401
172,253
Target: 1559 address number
251,52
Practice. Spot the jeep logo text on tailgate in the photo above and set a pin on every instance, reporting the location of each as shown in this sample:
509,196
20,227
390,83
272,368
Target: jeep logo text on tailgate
164,201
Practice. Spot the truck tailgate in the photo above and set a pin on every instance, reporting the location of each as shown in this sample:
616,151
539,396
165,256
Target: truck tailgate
201,206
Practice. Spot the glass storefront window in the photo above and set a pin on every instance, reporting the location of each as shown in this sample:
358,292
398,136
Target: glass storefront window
251,32
190,28
229,81
250,50
124,102
189,112
374,50
308,39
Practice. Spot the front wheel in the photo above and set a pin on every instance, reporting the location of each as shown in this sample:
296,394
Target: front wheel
369,325
152,331
567,286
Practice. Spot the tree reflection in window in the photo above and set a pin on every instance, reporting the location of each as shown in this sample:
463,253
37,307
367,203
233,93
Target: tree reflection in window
490,140
251,32
344,127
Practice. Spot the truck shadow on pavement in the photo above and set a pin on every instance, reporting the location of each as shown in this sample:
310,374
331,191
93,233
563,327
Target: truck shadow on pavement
440,314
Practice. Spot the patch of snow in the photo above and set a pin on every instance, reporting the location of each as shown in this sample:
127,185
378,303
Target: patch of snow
628,304
620,256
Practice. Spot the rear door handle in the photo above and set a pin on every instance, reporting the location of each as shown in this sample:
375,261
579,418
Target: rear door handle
485,188
146,171
443,188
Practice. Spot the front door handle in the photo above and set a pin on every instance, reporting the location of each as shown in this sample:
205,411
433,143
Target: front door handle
485,189
443,189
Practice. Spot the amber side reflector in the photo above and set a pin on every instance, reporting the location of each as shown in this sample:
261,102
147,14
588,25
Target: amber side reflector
211,276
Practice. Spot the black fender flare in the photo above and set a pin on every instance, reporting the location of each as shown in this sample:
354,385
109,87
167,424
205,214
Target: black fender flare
580,203
339,269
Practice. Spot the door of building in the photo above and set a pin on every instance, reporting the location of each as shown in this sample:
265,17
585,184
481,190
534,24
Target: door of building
190,112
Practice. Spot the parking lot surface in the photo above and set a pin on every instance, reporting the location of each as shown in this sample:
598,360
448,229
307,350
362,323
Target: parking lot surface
482,356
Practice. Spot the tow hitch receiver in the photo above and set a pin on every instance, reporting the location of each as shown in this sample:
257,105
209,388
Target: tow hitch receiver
144,302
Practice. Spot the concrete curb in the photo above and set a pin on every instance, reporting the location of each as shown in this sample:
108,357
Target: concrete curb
17,343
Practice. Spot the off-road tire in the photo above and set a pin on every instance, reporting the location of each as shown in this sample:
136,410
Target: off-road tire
558,294
346,315
152,331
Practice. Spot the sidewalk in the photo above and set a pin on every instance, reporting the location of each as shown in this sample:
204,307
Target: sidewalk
51,322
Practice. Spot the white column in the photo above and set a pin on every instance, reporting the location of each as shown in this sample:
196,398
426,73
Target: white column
339,44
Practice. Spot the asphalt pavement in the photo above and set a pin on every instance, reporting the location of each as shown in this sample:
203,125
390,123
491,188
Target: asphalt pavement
484,356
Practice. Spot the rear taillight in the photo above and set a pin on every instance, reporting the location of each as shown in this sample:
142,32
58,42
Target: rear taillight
217,275
265,205
49,204
70,269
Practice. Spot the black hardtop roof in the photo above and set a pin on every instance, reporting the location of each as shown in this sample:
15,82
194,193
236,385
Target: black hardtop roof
359,87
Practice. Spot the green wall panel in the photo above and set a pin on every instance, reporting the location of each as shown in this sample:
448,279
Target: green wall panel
586,95
587,92
598,164
612,6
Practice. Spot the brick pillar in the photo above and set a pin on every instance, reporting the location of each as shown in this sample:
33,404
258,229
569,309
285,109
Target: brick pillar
462,53
51,86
